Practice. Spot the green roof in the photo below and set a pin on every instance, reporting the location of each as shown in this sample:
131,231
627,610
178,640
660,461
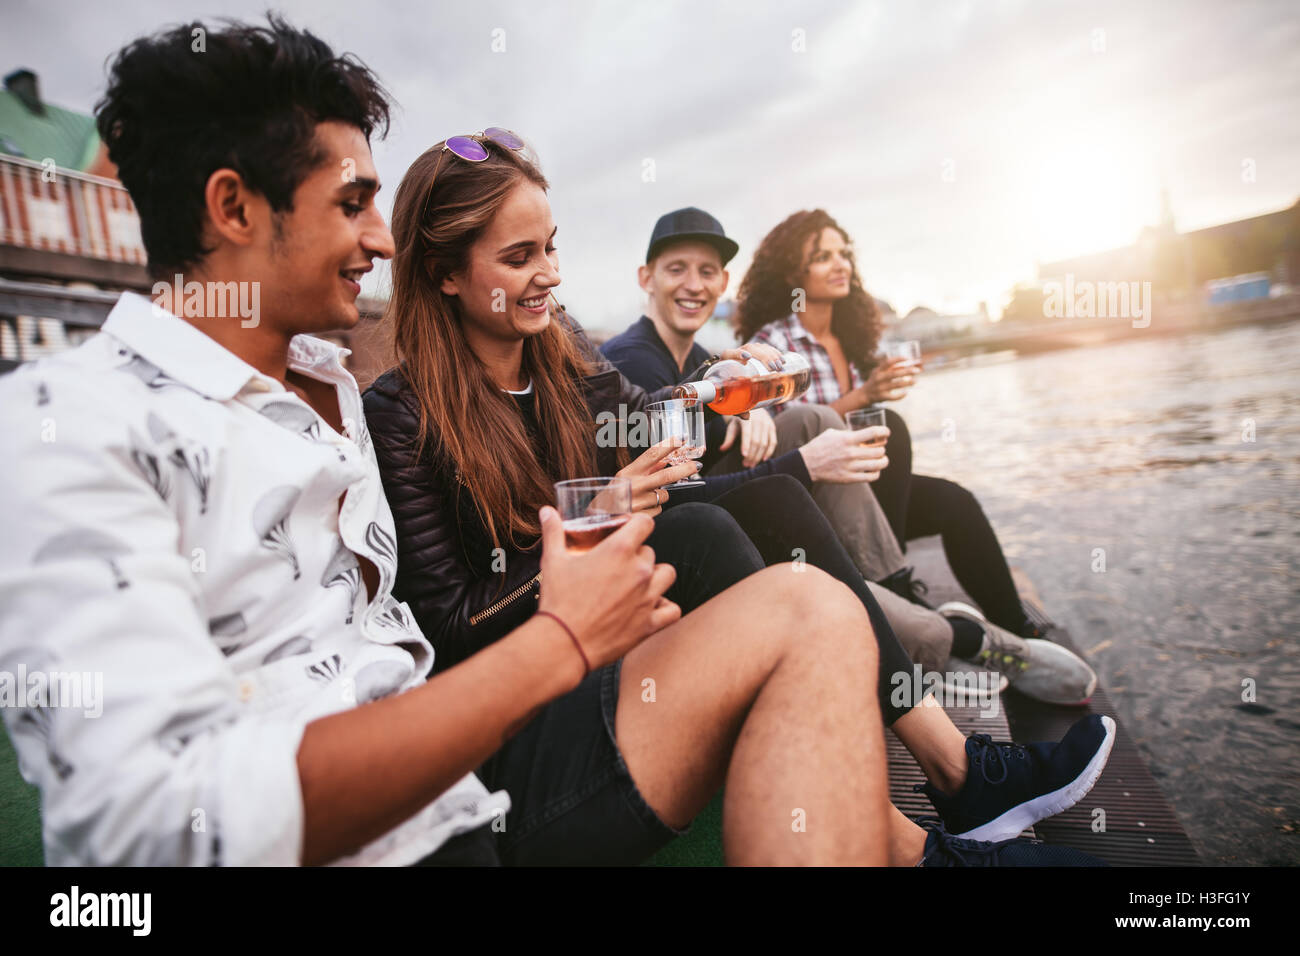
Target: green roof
66,137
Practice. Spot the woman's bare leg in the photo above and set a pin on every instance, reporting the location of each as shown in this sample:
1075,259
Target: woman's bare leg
770,688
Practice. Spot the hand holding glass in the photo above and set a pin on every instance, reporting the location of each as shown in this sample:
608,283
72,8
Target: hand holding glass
909,352
592,509
870,417
682,419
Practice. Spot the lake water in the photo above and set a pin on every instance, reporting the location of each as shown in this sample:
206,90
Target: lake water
1151,491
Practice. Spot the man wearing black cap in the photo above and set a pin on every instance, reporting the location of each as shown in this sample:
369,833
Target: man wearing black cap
683,287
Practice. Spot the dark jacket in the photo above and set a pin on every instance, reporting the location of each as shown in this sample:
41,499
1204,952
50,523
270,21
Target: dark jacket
462,595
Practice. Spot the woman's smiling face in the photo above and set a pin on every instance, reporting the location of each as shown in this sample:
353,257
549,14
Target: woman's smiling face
511,269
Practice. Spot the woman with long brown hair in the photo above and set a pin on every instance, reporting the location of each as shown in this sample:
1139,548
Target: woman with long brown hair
803,293
506,389
495,396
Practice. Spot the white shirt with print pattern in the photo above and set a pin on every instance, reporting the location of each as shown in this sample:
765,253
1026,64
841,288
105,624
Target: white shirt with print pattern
171,522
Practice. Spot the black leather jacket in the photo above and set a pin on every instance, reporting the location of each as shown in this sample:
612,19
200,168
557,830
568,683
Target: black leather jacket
463,596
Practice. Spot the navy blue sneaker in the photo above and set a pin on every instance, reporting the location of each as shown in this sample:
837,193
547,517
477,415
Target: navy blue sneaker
1010,787
944,849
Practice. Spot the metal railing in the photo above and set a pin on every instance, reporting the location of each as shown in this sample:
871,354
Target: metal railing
38,320
50,209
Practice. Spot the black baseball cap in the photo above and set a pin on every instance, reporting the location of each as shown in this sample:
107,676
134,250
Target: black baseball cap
690,223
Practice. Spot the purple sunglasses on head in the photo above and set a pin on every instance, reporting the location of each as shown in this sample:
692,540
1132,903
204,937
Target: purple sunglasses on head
470,148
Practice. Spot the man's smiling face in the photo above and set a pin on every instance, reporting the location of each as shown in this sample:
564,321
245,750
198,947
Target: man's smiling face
317,252
684,282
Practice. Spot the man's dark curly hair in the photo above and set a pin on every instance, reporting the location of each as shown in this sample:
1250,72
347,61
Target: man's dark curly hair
768,291
182,104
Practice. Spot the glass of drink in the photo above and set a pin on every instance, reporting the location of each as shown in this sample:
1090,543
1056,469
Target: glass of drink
681,419
592,509
909,351
871,416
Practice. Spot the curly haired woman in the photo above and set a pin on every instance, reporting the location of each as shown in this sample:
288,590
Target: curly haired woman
803,294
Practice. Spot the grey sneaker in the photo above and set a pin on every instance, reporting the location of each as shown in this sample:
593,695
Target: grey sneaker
968,684
1037,668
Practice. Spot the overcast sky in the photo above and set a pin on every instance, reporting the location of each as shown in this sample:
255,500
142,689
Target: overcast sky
958,142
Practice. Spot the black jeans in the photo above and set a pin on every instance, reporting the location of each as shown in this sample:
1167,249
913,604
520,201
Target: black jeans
918,505
572,798
764,522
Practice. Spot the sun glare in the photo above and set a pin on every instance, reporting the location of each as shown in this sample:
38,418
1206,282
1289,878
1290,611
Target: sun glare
1088,195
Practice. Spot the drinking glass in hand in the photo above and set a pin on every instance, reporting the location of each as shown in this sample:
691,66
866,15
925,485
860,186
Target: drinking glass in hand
869,417
909,352
683,420
592,509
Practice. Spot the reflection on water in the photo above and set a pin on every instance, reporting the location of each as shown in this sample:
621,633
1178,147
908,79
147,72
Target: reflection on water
1151,490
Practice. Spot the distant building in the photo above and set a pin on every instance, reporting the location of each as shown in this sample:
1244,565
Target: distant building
933,328
1179,265
64,217
42,132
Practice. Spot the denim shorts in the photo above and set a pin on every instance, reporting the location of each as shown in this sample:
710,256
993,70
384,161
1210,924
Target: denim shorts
573,802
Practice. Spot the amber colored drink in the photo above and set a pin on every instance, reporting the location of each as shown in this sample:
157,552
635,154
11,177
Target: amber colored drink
583,534
866,418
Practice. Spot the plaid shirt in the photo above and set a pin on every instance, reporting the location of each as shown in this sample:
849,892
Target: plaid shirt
788,335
